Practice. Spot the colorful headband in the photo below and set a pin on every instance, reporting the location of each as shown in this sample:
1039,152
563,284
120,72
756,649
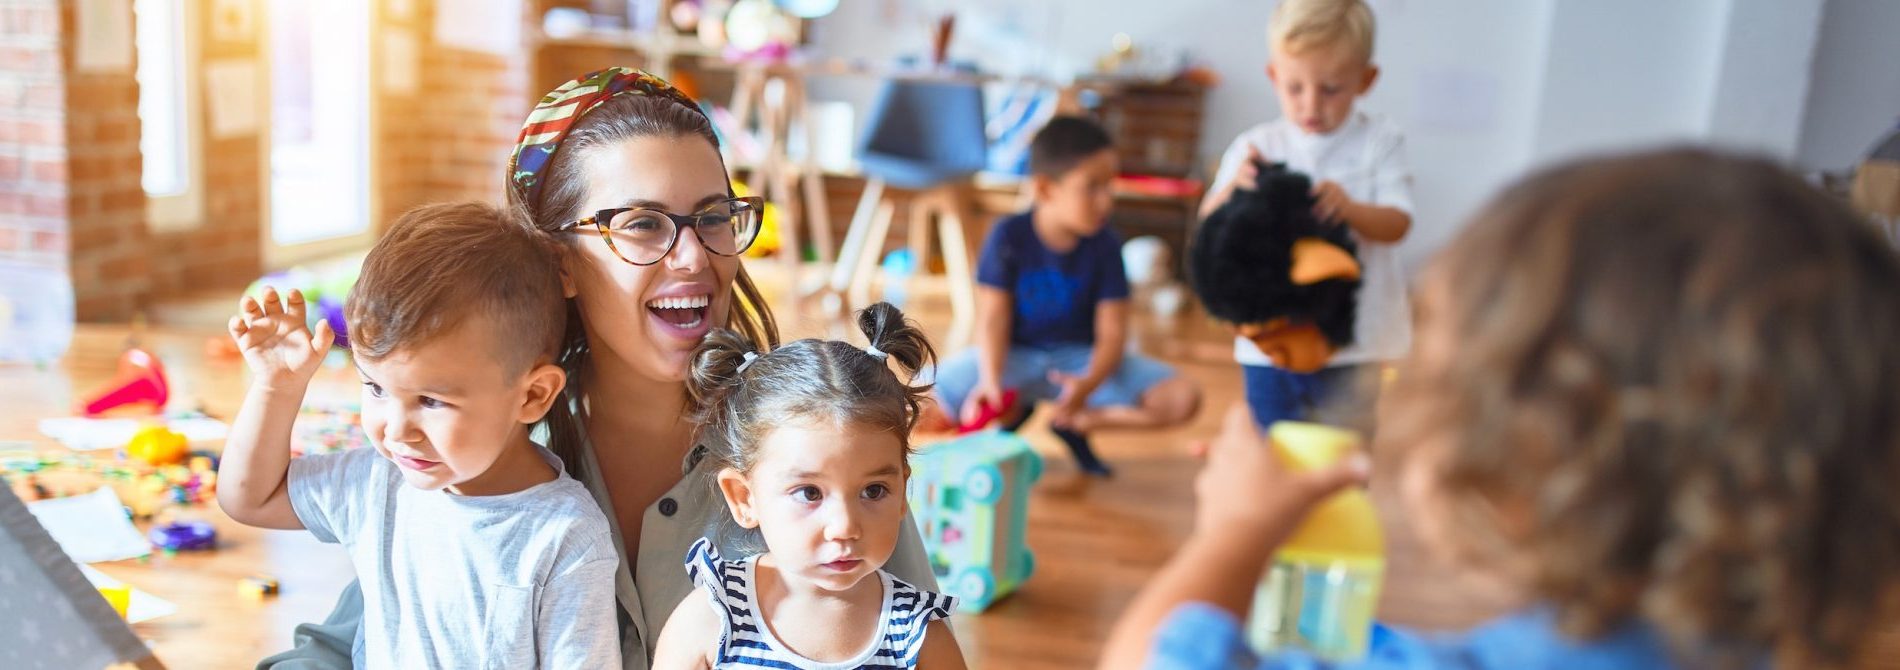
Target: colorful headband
561,109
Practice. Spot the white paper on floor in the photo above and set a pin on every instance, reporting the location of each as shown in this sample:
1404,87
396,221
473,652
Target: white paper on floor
143,606
91,527
82,434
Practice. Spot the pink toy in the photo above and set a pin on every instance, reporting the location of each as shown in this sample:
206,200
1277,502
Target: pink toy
986,413
141,380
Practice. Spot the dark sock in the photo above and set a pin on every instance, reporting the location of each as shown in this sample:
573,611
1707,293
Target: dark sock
1085,457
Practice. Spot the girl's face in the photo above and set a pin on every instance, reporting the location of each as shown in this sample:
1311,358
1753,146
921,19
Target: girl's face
828,498
651,317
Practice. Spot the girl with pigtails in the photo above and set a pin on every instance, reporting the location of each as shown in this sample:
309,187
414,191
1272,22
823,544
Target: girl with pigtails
809,442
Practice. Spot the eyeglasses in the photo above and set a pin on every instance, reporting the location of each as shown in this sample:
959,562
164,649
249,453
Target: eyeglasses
644,236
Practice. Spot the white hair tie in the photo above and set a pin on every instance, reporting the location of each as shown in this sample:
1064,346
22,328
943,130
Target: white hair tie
749,357
875,352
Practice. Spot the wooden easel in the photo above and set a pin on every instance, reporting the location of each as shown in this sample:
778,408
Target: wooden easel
948,207
777,93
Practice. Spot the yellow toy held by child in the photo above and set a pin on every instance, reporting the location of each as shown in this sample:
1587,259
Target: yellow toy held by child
1320,594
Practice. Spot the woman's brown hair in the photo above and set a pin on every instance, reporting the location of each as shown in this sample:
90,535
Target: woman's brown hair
1666,387
559,201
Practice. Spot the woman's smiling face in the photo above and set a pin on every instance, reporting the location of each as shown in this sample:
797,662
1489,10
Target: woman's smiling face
651,316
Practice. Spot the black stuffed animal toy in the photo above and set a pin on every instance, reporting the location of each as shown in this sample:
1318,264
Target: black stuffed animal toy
1284,278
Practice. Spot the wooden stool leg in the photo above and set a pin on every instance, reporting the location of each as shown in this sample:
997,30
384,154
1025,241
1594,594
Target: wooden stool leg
810,176
791,247
957,271
818,208
862,218
866,270
922,209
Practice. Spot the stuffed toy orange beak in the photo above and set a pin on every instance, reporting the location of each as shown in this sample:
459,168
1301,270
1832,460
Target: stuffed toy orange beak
1294,347
1316,260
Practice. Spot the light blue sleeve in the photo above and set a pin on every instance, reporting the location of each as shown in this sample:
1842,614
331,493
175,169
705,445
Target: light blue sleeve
1199,636
575,624
328,491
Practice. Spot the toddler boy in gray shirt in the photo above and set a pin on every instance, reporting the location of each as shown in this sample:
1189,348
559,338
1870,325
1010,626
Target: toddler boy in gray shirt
473,545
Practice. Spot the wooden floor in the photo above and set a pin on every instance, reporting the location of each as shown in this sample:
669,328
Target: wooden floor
1095,541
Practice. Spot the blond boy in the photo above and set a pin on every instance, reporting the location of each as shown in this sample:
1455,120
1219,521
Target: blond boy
1320,64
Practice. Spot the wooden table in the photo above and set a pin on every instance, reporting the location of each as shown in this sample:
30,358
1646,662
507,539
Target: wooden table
215,626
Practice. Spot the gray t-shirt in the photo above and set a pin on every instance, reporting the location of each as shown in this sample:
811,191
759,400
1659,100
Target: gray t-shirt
520,580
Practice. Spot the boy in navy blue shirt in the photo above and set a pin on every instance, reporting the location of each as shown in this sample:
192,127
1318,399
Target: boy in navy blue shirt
1052,309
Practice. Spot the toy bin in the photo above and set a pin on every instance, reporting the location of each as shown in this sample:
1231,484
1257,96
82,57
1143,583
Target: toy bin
970,497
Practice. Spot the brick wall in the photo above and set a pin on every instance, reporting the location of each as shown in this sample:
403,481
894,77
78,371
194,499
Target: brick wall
33,174
70,195
449,139
105,204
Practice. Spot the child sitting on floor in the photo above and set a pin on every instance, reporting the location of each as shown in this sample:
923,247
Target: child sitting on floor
1655,395
1052,310
490,555
813,438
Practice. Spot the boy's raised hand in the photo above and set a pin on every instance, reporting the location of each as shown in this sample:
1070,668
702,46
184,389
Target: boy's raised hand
276,341
1245,488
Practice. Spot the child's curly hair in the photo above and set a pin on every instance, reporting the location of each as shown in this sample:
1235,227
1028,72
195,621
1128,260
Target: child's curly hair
743,392
1666,387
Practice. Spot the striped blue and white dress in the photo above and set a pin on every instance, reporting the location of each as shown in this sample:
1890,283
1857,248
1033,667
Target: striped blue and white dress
748,643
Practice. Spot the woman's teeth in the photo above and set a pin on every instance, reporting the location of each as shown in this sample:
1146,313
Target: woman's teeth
680,302
682,311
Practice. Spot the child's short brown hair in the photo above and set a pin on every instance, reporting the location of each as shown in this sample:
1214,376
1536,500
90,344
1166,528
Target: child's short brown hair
442,264
1300,26
1666,387
1065,142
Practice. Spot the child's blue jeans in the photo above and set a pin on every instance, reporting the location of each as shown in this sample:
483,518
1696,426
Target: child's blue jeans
1340,395
1027,370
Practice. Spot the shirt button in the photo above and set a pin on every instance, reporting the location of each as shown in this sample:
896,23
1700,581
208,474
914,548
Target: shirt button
668,507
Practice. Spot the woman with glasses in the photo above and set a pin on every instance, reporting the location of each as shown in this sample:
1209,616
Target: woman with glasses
624,173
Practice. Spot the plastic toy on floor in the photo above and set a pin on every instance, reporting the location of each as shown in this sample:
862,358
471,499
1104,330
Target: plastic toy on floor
141,381
970,497
258,587
987,413
184,536
158,445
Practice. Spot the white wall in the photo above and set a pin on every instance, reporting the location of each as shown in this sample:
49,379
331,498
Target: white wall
1627,73
1766,61
1466,98
1855,95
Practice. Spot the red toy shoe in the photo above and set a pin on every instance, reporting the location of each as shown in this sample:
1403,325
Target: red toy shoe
986,414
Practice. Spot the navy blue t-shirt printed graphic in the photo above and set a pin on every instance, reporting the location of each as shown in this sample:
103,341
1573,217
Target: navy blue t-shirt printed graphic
1053,294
